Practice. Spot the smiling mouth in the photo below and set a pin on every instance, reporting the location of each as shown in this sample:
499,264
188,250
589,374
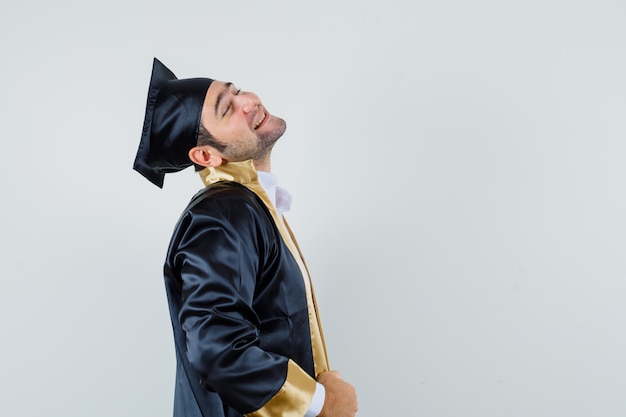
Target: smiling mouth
257,124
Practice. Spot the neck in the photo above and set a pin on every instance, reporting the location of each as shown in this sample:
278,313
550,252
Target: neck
263,164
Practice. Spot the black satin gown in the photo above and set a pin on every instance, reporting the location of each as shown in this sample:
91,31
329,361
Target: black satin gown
237,302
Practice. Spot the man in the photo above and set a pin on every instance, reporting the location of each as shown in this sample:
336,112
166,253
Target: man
247,331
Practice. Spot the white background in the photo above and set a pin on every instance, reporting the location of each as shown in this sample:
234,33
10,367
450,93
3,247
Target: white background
458,175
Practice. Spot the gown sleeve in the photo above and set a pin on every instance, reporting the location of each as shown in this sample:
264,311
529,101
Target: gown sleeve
219,256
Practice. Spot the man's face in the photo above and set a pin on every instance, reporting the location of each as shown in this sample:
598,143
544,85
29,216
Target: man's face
238,120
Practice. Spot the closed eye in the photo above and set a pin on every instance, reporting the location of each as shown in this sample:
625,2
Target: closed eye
230,105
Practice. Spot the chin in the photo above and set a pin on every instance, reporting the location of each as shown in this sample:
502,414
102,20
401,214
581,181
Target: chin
282,125
273,132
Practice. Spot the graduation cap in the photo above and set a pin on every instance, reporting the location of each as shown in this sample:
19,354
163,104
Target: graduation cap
170,127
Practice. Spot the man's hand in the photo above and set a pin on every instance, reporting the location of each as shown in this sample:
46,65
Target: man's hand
340,400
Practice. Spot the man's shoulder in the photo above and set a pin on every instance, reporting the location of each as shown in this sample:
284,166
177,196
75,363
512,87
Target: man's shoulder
223,190
224,197
224,211
223,206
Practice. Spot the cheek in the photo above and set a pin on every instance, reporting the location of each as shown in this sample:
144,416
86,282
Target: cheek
241,129
235,135
233,129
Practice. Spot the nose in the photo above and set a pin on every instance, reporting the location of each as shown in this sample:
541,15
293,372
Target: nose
248,101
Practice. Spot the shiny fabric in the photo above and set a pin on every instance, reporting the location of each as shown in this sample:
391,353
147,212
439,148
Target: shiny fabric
293,399
240,310
245,174
171,123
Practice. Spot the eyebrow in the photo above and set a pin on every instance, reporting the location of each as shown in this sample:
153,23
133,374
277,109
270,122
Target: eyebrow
221,95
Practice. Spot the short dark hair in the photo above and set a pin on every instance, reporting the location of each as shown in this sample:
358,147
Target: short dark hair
206,138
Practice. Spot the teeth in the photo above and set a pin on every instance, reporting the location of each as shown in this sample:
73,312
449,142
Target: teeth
260,121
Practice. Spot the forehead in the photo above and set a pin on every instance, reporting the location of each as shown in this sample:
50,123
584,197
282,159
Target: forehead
216,91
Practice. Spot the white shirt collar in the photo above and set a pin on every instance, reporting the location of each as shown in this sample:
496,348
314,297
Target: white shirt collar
280,197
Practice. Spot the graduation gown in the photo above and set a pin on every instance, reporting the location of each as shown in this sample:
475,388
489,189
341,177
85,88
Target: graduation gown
248,337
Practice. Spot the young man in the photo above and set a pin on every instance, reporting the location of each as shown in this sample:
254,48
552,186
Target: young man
247,331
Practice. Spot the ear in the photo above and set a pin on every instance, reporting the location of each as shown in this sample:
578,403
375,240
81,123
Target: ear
205,156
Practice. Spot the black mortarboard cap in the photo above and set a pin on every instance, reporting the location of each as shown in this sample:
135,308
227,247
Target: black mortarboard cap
170,127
